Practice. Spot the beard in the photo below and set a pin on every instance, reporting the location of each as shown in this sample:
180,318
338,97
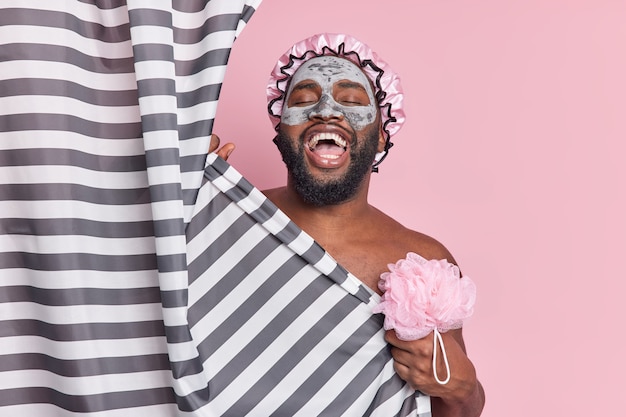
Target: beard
320,191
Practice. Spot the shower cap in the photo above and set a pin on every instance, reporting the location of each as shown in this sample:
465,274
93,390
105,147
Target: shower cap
387,88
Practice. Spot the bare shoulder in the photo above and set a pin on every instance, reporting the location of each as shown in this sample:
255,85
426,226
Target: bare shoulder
272,192
380,241
401,240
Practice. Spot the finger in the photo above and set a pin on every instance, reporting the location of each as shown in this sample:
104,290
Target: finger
401,356
215,143
414,377
402,370
392,338
225,151
411,360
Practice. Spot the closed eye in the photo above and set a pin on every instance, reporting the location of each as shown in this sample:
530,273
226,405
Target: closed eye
304,94
302,103
350,93
353,103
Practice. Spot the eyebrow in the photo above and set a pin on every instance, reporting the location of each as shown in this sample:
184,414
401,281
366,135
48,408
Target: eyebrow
351,84
305,86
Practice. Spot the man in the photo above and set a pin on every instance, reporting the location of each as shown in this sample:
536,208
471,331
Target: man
336,105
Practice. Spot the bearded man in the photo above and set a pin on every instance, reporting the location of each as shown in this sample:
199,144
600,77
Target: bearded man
329,135
335,106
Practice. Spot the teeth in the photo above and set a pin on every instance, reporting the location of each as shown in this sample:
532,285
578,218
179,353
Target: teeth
327,136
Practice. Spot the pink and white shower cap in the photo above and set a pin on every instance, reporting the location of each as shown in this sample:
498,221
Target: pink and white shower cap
387,88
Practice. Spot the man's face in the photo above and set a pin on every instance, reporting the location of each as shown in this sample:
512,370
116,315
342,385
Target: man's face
330,130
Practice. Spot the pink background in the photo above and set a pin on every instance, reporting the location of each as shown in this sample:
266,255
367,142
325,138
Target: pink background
512,155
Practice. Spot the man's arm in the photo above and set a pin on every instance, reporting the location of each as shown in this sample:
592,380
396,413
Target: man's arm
462,396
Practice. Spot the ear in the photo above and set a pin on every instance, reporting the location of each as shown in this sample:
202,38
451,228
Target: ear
382,139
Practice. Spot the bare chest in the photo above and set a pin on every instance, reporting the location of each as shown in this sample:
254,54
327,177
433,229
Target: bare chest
366,262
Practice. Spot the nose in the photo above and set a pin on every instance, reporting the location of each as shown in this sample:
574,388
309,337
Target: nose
325,109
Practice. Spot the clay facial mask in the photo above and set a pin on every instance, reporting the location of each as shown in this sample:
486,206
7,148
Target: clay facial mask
329,86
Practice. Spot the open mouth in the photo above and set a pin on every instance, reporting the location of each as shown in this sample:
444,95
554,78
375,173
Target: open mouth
327,145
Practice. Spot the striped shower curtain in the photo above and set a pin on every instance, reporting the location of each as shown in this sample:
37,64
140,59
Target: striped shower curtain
137,275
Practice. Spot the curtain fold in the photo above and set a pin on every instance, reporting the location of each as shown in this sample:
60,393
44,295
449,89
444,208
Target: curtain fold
105,114
137,275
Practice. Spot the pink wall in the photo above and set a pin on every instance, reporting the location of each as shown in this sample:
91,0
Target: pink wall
512,155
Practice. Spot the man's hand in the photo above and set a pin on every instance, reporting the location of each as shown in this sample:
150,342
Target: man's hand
413,361
223,152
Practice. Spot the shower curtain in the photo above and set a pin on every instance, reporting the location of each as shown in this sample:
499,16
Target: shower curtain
139,276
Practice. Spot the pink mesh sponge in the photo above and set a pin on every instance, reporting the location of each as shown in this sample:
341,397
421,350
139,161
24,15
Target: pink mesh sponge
422,296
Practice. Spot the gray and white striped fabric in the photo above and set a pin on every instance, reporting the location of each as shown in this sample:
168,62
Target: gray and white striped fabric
137,276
